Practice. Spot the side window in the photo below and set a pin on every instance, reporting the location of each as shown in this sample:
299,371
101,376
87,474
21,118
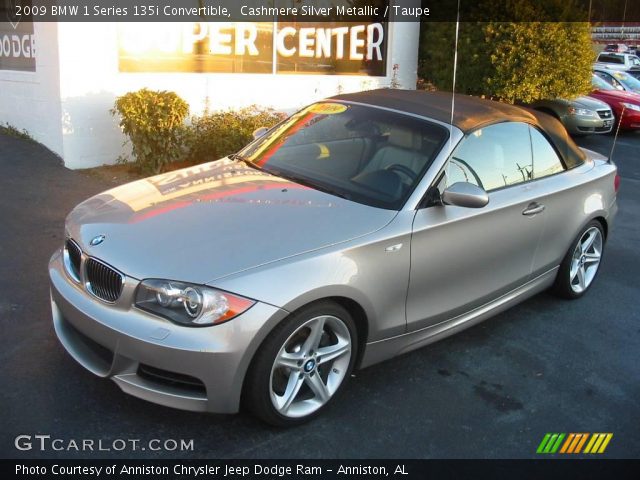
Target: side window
610,59
493,157
604,76
545,159
459,171
610,79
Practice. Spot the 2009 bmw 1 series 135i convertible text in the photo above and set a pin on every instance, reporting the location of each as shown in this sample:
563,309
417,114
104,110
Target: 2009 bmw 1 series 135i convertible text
360,228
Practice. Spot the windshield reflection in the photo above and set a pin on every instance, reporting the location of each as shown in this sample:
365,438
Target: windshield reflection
357,152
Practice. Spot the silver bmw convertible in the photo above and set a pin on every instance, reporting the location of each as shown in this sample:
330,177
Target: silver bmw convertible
360,228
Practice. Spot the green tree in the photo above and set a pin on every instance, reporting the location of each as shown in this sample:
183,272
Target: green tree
511,61
153,121
532,61
215,135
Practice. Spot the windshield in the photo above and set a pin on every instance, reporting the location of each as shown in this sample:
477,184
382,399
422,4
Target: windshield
630,81
600,84
610,58
361,153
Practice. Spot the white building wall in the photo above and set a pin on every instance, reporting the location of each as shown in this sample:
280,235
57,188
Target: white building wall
31,100
73,101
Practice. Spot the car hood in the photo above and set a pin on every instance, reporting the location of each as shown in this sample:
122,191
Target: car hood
589,103
618,95
202,223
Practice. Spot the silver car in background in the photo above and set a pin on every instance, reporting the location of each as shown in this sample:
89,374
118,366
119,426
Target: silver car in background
625,62
620,80
581,116
362,227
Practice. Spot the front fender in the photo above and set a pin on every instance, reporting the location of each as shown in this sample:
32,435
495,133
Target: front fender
366,274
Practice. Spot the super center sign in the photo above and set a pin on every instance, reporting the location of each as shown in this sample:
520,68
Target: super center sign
345,48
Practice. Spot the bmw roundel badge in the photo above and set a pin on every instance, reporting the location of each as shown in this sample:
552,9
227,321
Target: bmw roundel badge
97,240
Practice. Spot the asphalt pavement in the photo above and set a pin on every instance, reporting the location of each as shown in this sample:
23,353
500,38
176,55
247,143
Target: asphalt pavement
493,391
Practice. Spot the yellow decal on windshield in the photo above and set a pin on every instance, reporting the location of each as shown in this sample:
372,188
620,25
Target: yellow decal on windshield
327,108
324,151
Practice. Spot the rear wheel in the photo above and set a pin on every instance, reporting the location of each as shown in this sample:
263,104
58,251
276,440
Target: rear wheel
302,365
581,263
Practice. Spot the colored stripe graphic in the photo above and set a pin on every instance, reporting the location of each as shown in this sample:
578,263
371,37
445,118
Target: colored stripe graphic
576,439
590,444
550,443
577,443
583,439
598,443
556,445
543,443
574,443
567,443
604,445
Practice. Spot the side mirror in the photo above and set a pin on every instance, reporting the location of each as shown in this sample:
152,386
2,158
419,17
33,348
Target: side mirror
259,132
619,87
464,194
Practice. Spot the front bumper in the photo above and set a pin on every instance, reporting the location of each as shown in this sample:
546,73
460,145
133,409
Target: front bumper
582,125
630,120
199,369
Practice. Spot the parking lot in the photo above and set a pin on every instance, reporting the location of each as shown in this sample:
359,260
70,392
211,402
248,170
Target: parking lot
493,391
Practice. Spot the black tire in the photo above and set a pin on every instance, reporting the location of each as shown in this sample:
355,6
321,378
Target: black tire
563,283
258,382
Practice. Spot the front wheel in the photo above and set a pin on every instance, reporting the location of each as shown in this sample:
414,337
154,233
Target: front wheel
302,365
581,263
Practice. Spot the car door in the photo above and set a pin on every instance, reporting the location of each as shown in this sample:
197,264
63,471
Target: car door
563,195
461,257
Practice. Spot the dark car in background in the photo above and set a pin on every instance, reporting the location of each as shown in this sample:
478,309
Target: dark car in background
616,47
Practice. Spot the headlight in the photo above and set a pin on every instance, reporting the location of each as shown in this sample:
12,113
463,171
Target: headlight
189,304
582,111
631,106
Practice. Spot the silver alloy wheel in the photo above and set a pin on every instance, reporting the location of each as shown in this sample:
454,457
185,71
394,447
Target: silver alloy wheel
310,366
585,260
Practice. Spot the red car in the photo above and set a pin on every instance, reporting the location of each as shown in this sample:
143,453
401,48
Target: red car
616,47
625,105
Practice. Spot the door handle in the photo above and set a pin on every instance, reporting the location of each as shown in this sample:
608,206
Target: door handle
533,208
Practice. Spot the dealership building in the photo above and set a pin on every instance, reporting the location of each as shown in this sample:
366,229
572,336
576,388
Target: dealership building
58,80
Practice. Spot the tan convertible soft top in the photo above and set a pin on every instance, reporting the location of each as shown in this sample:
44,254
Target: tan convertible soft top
470,113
